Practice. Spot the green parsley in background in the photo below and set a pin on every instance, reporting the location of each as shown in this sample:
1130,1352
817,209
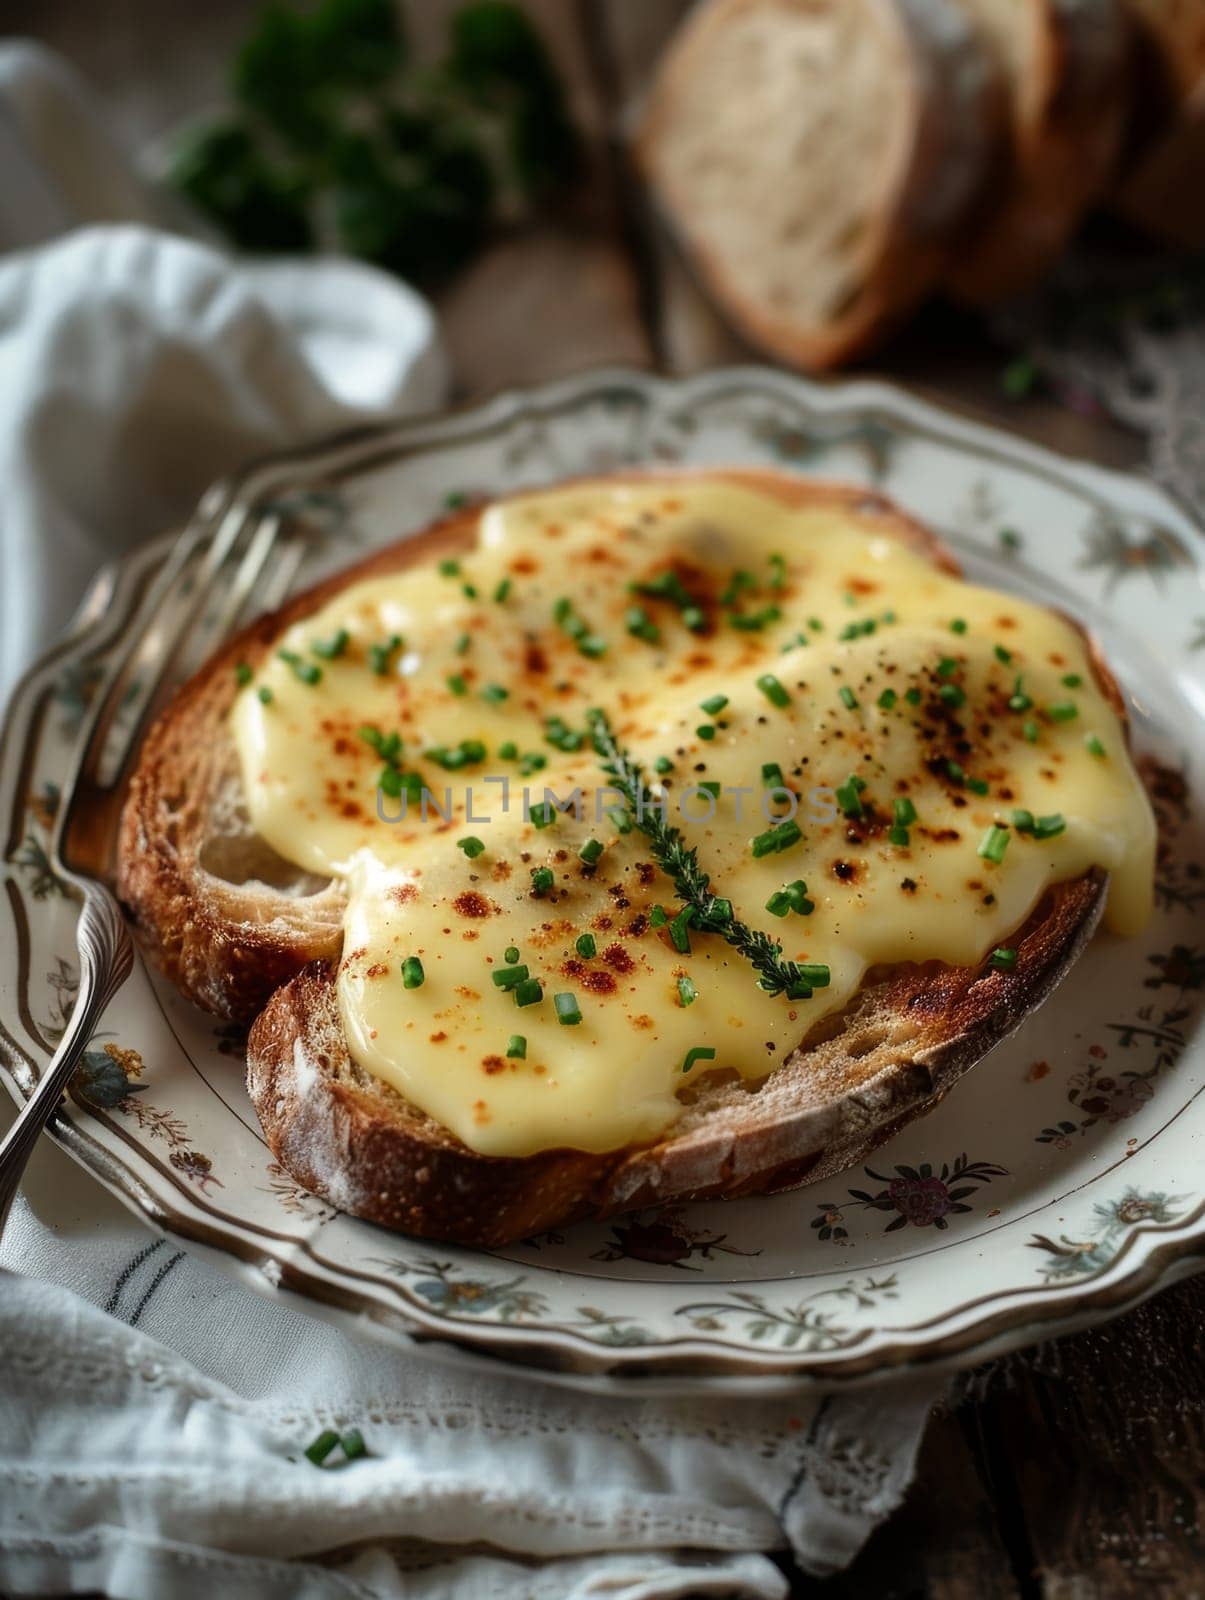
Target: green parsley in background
339,138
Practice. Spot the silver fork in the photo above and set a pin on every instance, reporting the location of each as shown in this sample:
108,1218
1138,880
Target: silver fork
229,561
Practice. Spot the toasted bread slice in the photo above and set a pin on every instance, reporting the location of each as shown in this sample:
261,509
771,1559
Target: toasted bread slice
855,1079
1065,65
242,933
814,157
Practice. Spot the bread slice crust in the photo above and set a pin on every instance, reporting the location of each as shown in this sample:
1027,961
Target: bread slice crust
255,951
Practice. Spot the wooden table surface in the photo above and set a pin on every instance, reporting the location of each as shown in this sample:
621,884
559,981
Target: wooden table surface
1074,1470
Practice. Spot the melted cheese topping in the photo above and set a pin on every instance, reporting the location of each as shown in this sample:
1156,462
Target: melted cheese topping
884,670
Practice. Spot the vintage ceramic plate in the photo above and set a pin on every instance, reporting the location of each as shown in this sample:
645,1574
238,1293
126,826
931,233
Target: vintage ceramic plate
1061,1181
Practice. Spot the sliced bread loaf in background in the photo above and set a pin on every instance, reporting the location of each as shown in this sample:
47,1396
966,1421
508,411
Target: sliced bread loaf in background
1066,64
816,157
1163,185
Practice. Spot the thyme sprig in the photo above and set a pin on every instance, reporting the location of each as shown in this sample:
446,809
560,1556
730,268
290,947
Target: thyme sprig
692,884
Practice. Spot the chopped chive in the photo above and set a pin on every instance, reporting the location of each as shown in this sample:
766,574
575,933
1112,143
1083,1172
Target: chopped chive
776,839
508,750
899,836
958,625
771,776
586,946
353,1444
1029,730
457,684
857,630
331,649
779,903
665,586
321,1447
815,624
706,731
710,786
887,700
679,930
449,568
816,974
542,880
699,1053
511,954
773,690
714,705
593,646
568,1012
620,818
694,619
848,698
739,580
243,674
413,976
952,694
754,621
993,844
495,693
797,894
720,912
543,815
904,812
502,590
1062,711
1094,745
379,654
955,772
1023,821
265,694
641,626
1004,960
947,667
687,993
663,764
1019,700
1072,680
778,572
1010,538
591,850
528,993
977,786
509,977
849,797
516,1049
658,917
463,644
305,671
1049,827
913,696
1002,655
472,846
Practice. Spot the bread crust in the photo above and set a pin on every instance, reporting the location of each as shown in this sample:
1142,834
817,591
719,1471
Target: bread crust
928,183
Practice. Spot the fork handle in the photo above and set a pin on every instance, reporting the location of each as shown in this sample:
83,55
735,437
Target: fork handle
106,958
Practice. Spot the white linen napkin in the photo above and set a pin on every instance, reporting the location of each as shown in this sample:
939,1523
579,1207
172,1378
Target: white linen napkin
153,1410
